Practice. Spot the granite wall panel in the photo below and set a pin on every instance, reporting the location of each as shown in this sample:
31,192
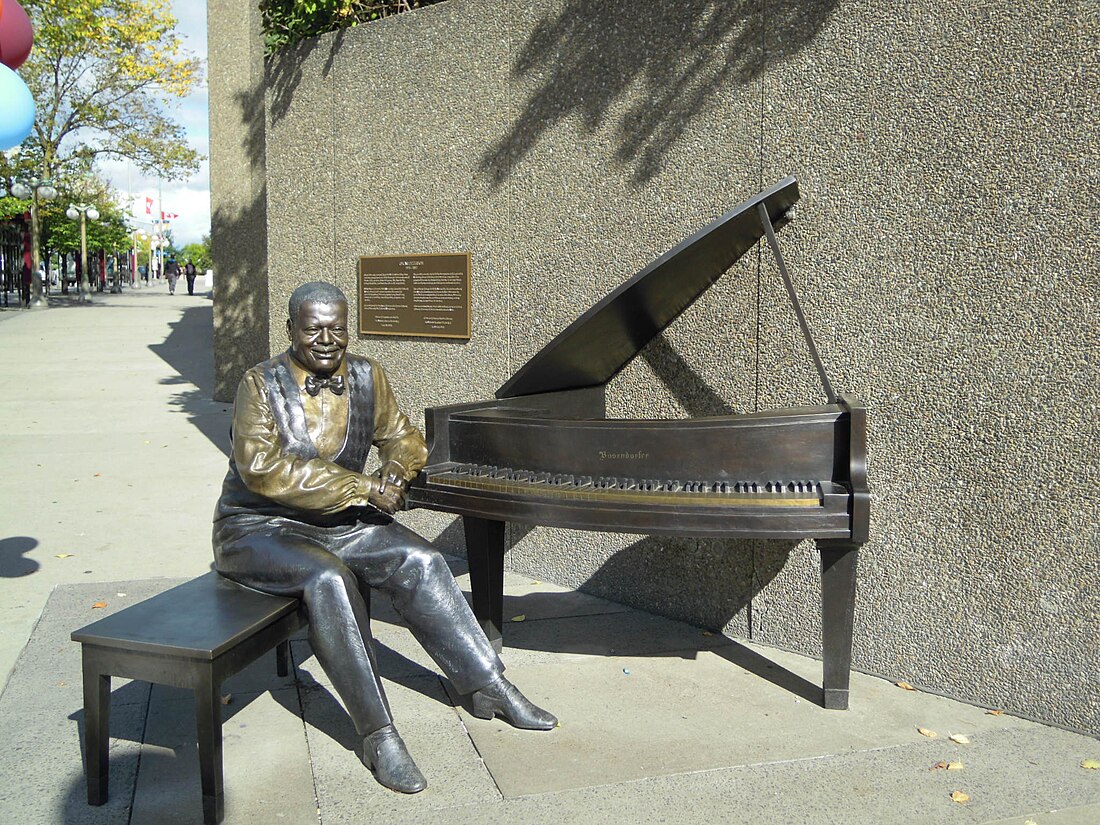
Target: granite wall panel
945,251
238,200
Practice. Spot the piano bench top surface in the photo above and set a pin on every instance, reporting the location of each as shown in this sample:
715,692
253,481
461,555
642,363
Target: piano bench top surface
200,619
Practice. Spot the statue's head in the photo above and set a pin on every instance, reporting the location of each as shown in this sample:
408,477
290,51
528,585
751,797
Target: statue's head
318,327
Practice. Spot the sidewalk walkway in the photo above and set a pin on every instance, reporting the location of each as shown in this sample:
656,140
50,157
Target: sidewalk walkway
113,460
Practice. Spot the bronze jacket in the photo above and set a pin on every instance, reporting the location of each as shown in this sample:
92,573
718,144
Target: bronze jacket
304,457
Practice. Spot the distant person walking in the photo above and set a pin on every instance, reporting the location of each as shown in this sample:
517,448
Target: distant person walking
172,273
190,273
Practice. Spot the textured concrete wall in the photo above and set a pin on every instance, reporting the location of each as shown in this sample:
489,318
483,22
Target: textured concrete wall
945,252
238,225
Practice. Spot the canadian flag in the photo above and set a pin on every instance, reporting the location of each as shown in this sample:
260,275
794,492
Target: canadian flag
167,216
148,206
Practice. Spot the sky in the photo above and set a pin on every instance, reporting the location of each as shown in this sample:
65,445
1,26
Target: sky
190,198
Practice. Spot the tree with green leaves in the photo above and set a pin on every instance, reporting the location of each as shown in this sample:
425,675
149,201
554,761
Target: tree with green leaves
285,22
101,72
198,254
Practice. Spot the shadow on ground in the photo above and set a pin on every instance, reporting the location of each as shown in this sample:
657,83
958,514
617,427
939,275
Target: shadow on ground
188,350
13,565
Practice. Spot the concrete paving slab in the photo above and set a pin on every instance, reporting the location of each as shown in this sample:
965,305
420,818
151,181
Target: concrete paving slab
41,768
138,380
1083,815
631,633
435,737
266,771
41,714
883,785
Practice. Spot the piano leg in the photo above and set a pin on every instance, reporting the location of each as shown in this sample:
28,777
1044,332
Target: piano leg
485,553
838,593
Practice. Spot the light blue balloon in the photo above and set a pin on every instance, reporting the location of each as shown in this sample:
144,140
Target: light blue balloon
17,106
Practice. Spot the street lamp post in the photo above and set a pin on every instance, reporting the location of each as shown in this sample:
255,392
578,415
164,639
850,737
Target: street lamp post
85,212
32,190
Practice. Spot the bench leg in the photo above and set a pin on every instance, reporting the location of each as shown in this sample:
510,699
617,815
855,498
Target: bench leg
282,657
97,737
208,714
838,594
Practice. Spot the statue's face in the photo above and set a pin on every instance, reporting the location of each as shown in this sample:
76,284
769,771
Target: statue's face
319,336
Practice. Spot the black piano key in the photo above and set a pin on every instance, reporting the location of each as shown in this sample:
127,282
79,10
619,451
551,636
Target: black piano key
585,481
503,472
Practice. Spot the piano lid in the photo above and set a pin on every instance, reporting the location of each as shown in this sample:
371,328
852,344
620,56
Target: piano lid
595,347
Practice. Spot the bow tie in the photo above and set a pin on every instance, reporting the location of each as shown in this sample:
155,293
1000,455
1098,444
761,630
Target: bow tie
314,384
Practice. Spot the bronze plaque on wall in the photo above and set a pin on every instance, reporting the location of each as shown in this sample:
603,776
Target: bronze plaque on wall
421,295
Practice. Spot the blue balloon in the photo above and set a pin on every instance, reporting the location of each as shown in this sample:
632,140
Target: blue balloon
17,104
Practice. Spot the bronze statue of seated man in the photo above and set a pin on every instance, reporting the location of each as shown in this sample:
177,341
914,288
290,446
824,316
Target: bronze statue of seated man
299,516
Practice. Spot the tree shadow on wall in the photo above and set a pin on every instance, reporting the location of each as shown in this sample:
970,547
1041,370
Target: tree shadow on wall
238,239
283,72
597,53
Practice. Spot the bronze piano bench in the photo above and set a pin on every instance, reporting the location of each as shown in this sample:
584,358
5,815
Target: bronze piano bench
194,636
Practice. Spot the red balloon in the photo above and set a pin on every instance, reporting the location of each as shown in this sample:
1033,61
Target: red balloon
16,35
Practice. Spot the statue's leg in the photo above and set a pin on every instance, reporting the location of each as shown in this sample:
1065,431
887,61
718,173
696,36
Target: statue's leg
281,562
406,567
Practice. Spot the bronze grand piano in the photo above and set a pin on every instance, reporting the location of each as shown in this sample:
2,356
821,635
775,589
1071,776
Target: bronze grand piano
544,452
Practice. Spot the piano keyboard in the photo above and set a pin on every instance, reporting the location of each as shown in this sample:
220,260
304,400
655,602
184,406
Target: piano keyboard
653,491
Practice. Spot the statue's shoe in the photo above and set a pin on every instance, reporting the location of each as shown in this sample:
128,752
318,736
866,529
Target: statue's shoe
502,698
384,753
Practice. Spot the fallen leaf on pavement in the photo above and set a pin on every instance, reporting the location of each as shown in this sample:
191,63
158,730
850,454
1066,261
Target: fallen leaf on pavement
960,797
959,739
519,618
63,555
944,765
997,712
99,605
97,475
931,734
1091,764
904,685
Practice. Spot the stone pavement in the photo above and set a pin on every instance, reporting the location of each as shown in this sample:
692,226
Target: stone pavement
113,455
